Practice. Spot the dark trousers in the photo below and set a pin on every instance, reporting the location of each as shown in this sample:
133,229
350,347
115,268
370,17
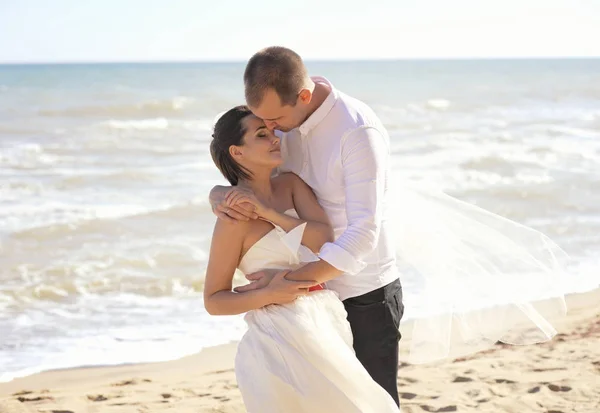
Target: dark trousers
374,319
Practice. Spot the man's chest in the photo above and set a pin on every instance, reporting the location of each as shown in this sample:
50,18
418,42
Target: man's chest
317,161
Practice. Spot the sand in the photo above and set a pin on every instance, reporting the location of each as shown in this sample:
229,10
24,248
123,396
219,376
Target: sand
559,376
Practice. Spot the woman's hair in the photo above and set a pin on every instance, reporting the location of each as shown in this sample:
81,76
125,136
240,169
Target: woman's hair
229,130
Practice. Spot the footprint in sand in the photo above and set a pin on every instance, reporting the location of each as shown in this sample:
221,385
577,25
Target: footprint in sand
461,379
131,382
34,399
409,380
534,389
548,369
408,396
222,398
96,397
500,381
556,388
22,393
427,408
223,371
561,337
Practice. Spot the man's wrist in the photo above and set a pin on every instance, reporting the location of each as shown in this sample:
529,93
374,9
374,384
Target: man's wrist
264,296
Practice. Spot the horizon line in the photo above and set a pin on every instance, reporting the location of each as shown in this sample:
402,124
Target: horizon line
308,60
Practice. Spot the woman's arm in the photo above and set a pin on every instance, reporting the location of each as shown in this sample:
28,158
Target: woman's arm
225,252
242,212
318,230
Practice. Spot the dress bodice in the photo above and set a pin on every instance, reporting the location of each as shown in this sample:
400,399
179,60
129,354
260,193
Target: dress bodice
278,250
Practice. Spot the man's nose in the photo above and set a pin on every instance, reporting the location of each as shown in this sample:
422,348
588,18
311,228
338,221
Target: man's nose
270,124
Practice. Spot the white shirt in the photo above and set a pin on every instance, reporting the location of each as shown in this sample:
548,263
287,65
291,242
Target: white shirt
342,152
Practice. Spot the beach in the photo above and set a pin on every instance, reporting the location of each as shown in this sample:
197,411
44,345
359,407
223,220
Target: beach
105,226
557,376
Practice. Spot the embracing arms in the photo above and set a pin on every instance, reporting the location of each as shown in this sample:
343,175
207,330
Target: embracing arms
225,253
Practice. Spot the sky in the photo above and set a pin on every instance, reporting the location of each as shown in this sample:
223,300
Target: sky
33,31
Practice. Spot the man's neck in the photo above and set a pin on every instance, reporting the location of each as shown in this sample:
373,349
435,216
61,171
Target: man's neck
320,93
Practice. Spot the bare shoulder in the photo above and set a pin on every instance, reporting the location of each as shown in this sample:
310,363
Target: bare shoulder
287,179
232,230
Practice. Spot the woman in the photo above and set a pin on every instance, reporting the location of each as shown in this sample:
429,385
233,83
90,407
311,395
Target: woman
296,356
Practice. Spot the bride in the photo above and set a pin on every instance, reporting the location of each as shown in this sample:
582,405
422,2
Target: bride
296,356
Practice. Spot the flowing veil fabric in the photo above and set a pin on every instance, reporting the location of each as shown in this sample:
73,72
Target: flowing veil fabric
483,277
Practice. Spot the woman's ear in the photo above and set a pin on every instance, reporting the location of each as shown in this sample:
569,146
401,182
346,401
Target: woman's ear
235,152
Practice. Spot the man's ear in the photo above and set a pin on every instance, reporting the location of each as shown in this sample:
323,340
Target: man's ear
305,96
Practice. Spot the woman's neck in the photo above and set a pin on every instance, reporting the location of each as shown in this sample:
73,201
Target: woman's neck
260,184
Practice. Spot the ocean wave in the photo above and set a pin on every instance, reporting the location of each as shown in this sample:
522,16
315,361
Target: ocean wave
156,123
152,108
63,285
26,156
565,131
54,219
159,123
439,104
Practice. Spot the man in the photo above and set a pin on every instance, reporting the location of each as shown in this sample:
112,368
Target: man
340,148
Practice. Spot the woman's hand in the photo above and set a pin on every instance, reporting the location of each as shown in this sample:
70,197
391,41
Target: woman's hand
237,197
230,214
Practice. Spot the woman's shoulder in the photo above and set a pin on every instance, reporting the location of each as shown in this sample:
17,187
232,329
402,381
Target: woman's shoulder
286,179
236,229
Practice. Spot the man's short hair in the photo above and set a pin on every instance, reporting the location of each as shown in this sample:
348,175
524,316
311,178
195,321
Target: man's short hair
276,68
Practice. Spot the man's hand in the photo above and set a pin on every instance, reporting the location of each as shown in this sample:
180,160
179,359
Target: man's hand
258,280
277,287
238,212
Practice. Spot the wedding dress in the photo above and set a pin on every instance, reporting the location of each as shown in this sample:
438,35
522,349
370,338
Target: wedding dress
298,357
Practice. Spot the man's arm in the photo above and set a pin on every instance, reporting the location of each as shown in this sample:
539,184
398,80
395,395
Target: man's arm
365,158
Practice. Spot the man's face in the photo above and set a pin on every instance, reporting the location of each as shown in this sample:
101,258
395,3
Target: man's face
278,116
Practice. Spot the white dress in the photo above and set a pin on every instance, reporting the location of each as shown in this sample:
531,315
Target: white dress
298,357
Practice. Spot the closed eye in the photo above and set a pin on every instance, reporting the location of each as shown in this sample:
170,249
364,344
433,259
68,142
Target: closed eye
260,131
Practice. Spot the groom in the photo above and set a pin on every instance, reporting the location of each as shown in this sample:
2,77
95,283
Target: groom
340,148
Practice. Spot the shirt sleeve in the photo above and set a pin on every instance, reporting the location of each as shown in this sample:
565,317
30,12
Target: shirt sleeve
365,159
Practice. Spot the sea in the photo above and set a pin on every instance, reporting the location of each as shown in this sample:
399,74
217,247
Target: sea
105,225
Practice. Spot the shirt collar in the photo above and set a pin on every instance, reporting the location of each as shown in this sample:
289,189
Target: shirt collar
322,111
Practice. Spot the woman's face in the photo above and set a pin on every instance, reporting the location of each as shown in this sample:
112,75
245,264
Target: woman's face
261,146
